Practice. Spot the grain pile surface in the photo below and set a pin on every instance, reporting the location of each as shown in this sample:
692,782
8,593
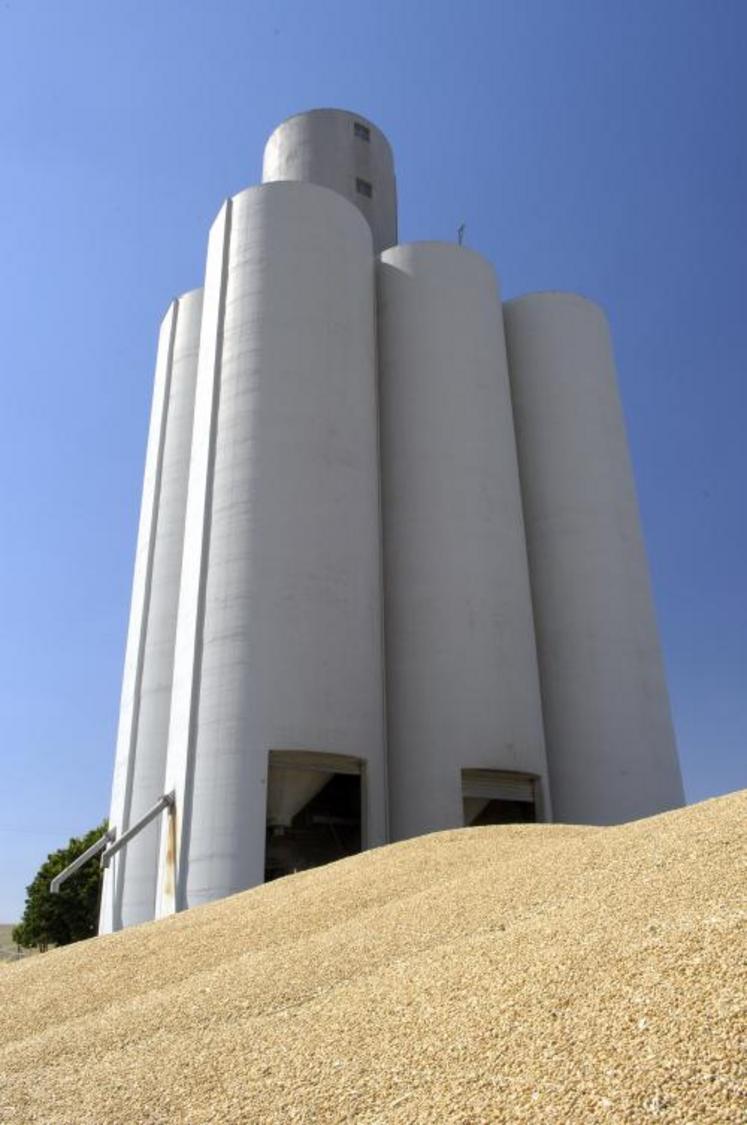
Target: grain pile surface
512,974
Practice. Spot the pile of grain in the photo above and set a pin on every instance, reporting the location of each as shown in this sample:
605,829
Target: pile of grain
528,973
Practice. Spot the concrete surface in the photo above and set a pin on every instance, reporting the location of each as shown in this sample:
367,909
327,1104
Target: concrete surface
610,743
279,641
342,151
462,680
129,891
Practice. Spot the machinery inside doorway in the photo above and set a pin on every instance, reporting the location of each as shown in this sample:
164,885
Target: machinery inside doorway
498,797
314,810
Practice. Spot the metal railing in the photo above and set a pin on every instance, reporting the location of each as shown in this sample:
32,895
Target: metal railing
165,802
109,844
89,853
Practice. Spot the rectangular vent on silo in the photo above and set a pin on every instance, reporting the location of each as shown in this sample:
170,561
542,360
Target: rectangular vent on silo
498,797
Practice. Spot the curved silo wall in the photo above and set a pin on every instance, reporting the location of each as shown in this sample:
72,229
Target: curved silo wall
130,880
279,643
610,742
462,680
344,152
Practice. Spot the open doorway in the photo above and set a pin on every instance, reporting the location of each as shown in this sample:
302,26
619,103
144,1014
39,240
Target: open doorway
498,797
314,810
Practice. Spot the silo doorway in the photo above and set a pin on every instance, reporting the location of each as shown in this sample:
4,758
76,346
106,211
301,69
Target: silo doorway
314,810
498,797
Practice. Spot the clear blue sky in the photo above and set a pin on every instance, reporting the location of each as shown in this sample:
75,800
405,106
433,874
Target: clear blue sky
590,145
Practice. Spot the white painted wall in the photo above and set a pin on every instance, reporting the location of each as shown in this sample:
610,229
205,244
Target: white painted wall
130,880
610,742
279,642
462,680
321,147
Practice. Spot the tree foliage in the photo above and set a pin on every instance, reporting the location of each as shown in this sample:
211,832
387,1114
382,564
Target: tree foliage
70,915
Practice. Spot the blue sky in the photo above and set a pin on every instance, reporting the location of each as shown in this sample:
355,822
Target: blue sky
589,145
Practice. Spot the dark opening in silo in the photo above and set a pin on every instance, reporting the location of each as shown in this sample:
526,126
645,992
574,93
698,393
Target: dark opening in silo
314,810
498,797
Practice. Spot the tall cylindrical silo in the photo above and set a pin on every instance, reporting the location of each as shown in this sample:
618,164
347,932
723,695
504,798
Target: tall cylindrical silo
279,643
462,683
342,151
608,729
130,880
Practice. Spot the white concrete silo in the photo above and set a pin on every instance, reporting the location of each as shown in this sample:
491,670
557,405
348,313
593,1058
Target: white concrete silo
279,663
608,729
277,593
342,151
129,891
463,699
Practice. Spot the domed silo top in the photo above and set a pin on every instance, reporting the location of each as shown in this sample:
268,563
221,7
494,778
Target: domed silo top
342,151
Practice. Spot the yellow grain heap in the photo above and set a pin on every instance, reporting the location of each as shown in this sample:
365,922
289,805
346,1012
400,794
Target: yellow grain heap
530,973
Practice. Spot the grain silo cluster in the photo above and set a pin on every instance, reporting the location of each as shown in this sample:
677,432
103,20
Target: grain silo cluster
390,576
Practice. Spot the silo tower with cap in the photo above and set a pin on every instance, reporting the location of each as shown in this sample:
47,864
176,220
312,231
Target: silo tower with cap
390,577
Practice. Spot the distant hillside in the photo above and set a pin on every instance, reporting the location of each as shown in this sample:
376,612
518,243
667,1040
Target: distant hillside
9,951
528,973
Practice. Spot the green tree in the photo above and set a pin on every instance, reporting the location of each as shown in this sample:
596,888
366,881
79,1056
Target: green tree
70,915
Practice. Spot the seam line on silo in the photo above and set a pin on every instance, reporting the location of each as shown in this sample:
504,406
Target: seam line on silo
194,698
145,612
382,585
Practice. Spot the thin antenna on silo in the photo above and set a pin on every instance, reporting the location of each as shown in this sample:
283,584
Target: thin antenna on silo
460,233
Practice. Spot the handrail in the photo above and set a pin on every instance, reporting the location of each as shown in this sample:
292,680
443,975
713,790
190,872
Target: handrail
165,802
89,853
